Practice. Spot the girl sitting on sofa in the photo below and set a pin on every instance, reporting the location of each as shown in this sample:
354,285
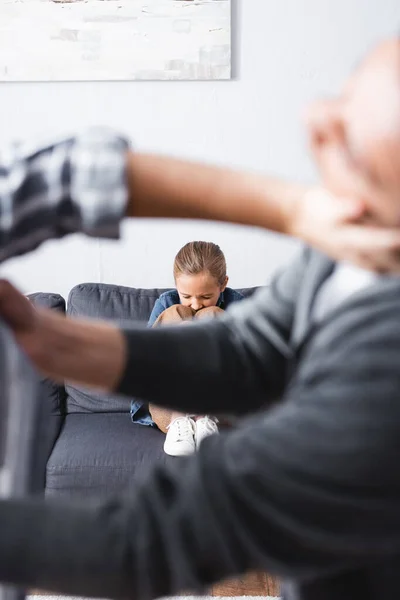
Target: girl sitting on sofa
201,292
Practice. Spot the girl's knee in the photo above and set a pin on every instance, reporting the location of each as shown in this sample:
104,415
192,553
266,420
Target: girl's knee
175,314
211,312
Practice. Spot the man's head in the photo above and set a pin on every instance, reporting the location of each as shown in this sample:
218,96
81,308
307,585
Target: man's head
356,137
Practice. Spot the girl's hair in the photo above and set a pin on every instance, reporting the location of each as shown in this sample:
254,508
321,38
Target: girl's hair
197,257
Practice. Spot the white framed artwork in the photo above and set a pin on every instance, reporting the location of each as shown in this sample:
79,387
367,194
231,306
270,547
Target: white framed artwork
120,40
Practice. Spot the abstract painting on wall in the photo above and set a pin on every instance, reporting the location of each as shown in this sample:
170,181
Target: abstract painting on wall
126,40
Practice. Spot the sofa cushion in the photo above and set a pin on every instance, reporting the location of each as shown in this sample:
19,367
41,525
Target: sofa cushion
121,305
101,454
111,302
118,303
114,302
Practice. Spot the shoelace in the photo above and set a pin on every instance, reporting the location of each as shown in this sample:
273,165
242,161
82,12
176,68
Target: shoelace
209,425
184,427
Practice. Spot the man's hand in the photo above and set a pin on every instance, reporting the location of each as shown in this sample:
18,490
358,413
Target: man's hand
92,354
340,228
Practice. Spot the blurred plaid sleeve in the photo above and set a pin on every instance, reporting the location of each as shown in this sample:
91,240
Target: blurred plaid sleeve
74,185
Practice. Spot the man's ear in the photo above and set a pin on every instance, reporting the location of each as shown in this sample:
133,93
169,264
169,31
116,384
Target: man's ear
223,286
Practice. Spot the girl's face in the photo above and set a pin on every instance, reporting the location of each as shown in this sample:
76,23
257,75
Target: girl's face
199,291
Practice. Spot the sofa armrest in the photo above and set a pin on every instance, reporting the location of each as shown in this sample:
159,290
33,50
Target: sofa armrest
52,407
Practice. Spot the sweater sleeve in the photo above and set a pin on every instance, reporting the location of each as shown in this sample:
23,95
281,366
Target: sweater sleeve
309,489
232,364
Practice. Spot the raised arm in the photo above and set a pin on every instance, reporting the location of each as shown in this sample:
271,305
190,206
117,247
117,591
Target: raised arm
90,182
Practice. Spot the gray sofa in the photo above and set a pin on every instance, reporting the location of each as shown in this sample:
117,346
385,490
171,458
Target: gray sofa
88,443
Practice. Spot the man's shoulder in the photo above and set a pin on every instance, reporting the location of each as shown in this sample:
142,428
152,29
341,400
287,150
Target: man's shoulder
368,321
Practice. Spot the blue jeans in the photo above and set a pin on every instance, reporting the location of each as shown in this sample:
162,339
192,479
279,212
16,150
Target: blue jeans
140,413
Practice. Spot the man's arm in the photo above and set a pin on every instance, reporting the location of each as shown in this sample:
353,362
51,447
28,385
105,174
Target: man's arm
310,489
88,183
232,364
161,186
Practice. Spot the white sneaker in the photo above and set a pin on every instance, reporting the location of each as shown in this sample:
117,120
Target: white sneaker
205,427
179,440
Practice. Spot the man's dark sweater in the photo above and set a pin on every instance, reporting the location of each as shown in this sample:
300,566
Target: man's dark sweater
308,489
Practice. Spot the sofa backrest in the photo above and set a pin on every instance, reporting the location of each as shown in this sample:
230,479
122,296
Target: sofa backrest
116,302
121,305
48,300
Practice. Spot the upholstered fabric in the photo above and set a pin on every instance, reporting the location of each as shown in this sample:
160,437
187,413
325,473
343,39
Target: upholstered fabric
101,454
52,405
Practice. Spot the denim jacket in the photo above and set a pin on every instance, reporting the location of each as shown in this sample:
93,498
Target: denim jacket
139,410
